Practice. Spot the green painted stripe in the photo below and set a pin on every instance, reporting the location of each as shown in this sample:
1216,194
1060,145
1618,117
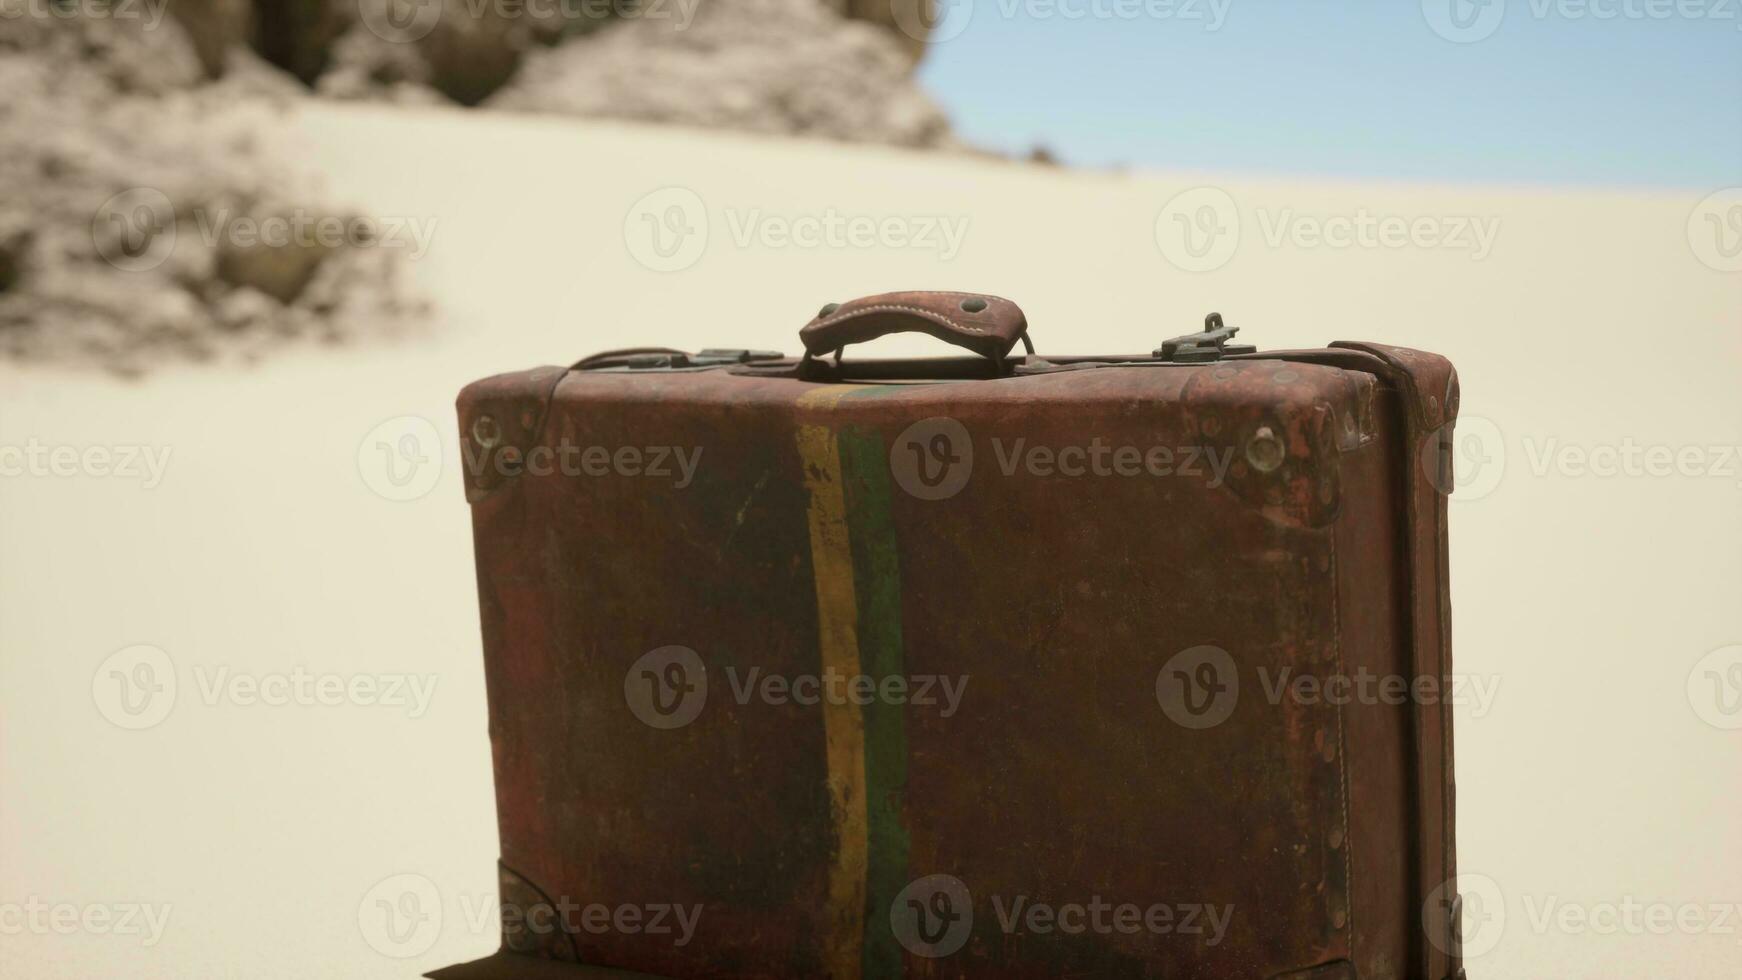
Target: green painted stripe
877,585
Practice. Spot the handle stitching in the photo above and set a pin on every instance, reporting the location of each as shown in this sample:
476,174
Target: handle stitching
895,308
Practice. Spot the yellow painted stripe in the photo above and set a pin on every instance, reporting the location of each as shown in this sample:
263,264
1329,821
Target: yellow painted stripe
843,724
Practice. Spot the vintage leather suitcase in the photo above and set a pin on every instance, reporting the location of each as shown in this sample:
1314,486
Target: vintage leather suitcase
994,666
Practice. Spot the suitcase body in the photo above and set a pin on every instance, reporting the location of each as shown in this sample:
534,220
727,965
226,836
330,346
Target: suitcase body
973,667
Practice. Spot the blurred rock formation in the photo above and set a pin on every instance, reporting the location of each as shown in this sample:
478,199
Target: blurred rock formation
123,196
129,158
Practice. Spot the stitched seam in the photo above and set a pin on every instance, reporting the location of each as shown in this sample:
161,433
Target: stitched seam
896,308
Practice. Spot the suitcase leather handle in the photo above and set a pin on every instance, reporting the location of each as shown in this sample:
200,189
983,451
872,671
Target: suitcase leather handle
987,325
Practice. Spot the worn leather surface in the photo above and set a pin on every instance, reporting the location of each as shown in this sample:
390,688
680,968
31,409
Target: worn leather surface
950,317
1427,389
1429,385
1059,778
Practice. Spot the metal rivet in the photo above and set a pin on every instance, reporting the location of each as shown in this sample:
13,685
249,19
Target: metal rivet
828,310
1265,451
486,432
1336,840
1339,918
1211,425
973,305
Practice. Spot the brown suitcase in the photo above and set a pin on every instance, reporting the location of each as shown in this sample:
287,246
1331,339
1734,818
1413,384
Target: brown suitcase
991,666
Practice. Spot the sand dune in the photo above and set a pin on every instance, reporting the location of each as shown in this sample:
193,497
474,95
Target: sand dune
1578,318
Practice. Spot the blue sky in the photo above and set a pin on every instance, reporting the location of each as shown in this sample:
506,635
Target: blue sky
1604,92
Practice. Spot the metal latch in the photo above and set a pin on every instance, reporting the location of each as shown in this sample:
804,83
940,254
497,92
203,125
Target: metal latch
733,355
677,360
1210,344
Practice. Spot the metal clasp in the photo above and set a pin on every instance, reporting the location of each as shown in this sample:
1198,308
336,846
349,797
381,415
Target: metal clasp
1210,344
